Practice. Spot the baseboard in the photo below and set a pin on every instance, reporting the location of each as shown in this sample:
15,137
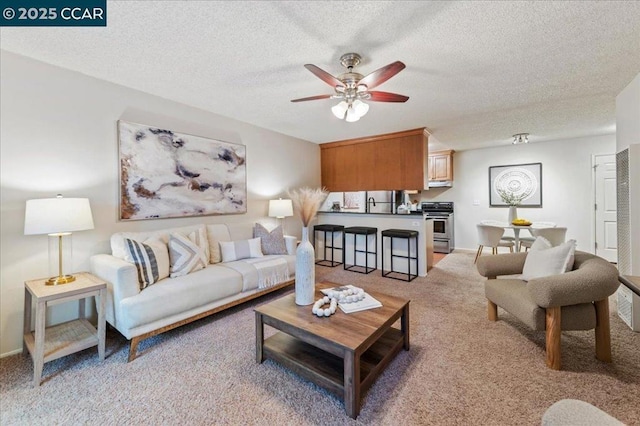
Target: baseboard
14,352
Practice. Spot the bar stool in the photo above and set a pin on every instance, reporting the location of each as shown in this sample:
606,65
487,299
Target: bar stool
355,231
333,229
408,235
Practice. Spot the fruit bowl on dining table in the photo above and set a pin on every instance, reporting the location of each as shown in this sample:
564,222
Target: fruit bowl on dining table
520,222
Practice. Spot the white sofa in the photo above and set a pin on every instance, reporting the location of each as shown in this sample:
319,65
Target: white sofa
172,302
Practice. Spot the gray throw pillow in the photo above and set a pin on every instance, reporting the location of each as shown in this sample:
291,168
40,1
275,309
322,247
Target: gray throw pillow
271,242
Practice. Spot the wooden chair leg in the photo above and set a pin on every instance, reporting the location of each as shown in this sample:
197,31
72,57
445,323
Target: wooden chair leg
553,331
603,331
492,311
478,253
494,250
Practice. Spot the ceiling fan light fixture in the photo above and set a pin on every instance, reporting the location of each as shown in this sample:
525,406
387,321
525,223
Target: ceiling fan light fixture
352,87
360,107
340,110
352,115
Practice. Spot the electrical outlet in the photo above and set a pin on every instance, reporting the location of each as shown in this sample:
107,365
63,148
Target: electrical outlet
476,202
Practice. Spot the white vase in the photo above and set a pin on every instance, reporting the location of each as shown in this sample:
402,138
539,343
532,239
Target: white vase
305,270
513,214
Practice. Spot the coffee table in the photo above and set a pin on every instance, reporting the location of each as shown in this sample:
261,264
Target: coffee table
343,353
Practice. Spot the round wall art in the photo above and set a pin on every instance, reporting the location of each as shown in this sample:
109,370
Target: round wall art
520,182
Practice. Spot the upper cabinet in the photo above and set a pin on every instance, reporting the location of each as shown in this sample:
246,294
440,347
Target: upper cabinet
441,166
385,162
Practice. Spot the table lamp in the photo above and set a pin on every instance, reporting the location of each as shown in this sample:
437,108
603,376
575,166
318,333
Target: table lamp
58,217
280,209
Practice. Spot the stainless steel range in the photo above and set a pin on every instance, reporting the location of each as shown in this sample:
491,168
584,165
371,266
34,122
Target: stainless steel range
442,215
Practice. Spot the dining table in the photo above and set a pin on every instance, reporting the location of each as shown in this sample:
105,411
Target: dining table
516,233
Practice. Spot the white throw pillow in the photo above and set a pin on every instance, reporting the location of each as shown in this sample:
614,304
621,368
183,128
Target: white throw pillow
186,253
551,261
150,258
541,243
242,249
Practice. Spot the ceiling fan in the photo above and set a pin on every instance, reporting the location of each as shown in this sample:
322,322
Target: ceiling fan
353,88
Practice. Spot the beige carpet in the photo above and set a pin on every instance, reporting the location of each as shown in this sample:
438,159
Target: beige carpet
461,369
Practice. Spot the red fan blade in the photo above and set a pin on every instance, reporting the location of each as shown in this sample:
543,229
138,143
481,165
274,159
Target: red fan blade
381,75
324,76
312,98
387,97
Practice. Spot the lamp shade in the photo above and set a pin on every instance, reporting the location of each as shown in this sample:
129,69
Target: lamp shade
340,109
57,215
280,208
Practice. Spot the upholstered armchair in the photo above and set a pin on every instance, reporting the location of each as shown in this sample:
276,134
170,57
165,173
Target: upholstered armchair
574,300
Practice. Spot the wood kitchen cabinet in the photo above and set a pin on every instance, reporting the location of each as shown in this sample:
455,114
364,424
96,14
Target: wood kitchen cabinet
377,163
441,165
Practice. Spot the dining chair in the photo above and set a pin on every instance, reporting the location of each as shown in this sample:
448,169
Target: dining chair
491,236
555,236
527,241
499,224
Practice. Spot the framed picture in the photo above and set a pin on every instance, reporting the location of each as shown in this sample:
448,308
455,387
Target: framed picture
167,174
521,181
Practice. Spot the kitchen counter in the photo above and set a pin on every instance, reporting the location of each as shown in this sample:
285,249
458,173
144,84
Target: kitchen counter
384,221
412,214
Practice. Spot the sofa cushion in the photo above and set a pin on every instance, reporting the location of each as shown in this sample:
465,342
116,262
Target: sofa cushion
251,276
272,242
215,234
186,253
173,296
150,258
242,249
548,262
117,240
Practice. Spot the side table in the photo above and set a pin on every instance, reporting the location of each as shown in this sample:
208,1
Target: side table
69,337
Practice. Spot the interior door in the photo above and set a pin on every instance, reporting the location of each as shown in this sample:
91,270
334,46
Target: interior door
606,243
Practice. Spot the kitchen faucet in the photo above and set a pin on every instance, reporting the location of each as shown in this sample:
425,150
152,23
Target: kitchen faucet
370,200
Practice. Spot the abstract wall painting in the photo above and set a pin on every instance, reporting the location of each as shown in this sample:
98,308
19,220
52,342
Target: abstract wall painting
523,181
166,174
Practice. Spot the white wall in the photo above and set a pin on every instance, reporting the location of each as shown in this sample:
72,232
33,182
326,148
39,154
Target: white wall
628,136
628,115
567,192
58,135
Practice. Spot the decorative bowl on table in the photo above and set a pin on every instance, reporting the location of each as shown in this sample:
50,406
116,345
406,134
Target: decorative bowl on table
520,222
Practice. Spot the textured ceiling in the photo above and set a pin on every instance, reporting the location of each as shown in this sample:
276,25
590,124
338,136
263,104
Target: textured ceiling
477,72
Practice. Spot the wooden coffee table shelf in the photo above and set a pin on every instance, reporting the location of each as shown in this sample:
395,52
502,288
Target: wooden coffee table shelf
344,353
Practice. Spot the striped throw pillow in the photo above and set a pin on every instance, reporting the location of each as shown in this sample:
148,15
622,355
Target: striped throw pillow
242,249
186,253
150,258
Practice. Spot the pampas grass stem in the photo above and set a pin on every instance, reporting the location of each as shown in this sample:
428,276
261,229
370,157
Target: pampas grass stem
307,202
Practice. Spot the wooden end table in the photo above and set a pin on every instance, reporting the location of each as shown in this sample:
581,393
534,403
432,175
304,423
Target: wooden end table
69,337
343,353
